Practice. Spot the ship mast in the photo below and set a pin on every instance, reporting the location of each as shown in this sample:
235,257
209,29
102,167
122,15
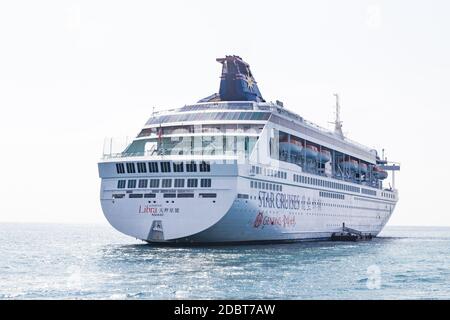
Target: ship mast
337,121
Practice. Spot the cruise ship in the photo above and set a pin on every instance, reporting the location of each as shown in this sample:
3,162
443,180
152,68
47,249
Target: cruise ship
233,168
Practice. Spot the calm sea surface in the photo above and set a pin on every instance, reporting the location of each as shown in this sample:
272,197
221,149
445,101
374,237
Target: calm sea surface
45,261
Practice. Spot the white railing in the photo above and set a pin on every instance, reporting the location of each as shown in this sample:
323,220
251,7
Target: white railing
113,147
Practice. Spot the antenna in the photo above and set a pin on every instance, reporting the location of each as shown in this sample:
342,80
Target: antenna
338,122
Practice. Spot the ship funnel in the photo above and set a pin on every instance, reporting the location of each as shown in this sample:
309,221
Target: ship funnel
237,82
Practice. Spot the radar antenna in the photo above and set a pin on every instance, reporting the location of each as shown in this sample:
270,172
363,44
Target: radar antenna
338,122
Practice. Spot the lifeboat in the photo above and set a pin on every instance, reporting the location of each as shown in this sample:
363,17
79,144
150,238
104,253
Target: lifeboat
324,156
379,173
294,146
362,168
351,165
311,152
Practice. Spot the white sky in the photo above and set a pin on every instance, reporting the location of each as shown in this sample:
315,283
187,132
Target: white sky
74,72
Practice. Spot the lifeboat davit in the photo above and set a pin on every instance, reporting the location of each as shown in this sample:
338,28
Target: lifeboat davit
351,165
311,152
362,168
324,156
379,173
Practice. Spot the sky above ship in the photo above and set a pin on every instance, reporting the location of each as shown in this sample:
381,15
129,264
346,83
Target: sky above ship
73,72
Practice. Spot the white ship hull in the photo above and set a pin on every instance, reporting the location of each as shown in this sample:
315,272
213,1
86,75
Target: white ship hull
298,212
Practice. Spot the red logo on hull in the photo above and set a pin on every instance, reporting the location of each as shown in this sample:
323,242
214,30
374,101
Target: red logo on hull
258,220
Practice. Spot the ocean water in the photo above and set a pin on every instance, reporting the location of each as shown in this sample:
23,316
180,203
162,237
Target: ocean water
56,261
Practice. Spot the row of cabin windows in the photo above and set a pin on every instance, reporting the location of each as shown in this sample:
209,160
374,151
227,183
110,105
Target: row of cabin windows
369,192
166,195
324,183
165,183
265,186
332,195
165,166
269,172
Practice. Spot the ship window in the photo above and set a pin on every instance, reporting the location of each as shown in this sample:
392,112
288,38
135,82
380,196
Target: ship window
120,168
169,195
135,195
154,183
143,183
242,196
166,183
192,183
153,166
185,195
191,167
207,195
131,168
165,166
178,167
121,184
142,167
259,185
149,195
251,184
205,167
131,184
205,183
227,116
179,183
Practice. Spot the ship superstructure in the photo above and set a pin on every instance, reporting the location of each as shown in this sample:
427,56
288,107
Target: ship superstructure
235,168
